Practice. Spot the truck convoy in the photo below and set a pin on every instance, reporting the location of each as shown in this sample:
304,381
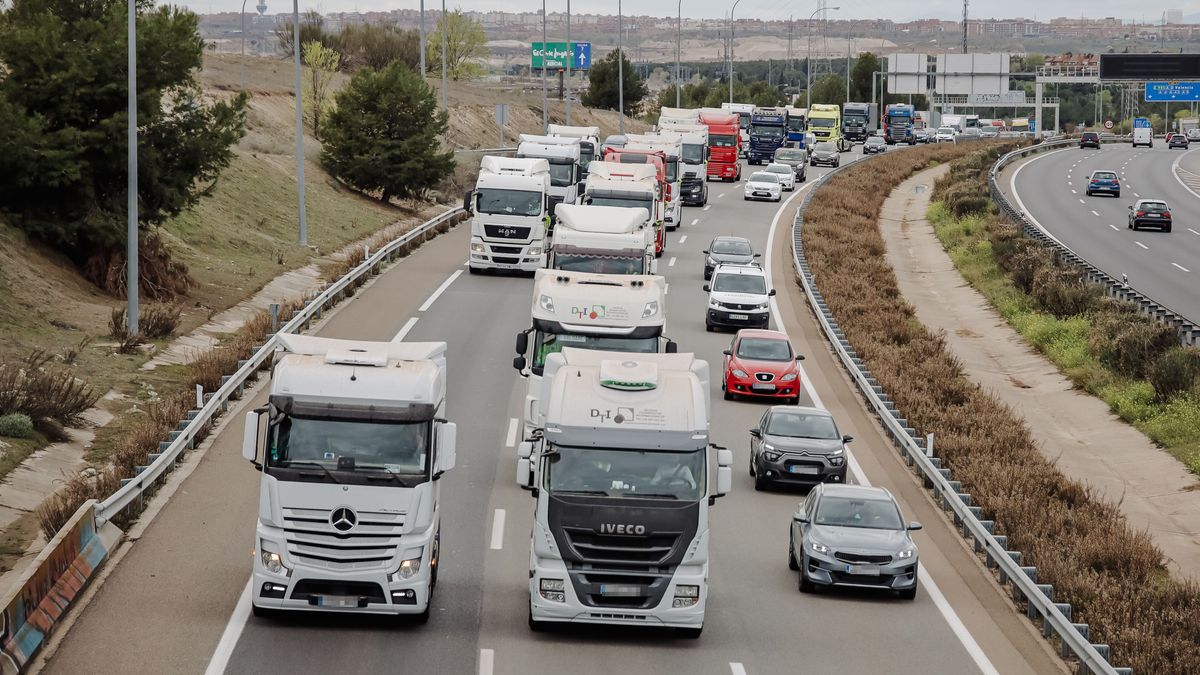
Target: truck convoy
615,313
637,186
509,216
743,111
603,240
898,123
563,156
351,446
723,143
825,122
694,137
654,158
797,125
589,143
619,472
671,147
768,133
859,120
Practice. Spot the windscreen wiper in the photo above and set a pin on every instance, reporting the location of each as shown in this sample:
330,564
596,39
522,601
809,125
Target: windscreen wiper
319,466
601,493
651,495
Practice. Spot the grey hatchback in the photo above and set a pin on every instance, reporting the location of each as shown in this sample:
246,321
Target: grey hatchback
853,535
797,445
727,250
797,158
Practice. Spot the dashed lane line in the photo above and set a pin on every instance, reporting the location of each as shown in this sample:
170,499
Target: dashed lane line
1142,245
1181,267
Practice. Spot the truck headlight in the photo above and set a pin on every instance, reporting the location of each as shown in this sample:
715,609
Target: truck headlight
554,590
478,248
650,310
535,250
686,595
271,560
546,302
408,569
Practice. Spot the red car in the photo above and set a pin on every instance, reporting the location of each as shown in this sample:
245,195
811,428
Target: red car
761,363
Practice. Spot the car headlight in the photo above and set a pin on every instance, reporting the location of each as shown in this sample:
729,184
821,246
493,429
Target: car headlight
650,309
713,303
271,560
478,248
763,305
739,372
408,569
546,302
906,554
535,250
770,453
818,547
788,377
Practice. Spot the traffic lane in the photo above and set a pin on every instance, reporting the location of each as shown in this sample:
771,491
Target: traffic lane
479,385
194,558
1007,639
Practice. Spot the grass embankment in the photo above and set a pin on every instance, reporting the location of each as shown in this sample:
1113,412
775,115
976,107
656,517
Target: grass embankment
1114,578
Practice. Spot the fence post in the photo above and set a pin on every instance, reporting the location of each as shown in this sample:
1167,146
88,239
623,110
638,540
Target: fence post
274,308
199,396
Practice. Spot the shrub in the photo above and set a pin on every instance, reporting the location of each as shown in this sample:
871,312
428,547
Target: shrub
159,321
1064,292
1175,372
41,390
16,425
1128,342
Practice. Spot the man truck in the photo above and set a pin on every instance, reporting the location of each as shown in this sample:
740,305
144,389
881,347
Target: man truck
859,120
603,240
619,471
351,447
768,133
510,219
825,122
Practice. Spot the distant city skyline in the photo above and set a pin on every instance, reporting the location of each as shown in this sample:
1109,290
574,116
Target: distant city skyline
766,10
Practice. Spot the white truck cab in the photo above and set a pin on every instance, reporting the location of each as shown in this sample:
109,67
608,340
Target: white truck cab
629,186
621,479
510,217
589,142
351,447
603,240
670,145
693,162
563,156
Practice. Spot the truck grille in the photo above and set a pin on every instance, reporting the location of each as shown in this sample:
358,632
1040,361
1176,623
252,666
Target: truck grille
509,250
506,231
620,549
369,545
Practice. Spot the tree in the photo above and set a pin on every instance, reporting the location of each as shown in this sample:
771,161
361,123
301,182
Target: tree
384,135
322,62
377,46
860,77
602,89
312,27
466,46
829,89
63,123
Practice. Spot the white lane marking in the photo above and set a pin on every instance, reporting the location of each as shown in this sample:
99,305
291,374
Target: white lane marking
231,634
1095,214
695,220
1070,183
720,196
408,325
487,661
736,668
683,239
511,438
1175,172
964,636
1136,195
666,288
440,289
707,207
1142,245
1074,191
1194,232
671,262
1114,227
1082,202
498,530
1181,267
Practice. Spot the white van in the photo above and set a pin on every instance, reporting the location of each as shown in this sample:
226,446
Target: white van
1143,134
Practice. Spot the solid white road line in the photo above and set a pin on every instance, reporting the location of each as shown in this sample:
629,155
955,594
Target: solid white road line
231,634
1175,172
671,262
736,668
487,661
440,289
1095,214
408,325
511,439
1181,267
683,239
720,196
1114,227
1142,245
498,530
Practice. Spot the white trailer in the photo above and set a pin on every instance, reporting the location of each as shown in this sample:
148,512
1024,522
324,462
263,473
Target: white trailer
603,240
510,216
620,475
563,156
351,447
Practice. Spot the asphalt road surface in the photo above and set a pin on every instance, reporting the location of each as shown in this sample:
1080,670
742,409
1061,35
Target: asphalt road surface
175,604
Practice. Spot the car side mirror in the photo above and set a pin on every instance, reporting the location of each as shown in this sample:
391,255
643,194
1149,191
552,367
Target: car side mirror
914,525
727,352
1131,207
707,288
756,433
705,251
799,357
799,517
757,255
847,438
771,292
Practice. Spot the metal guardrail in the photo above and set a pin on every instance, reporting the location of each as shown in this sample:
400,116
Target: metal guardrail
1189,333
185,436
1056,617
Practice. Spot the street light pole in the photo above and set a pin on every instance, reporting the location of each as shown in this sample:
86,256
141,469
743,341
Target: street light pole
620,67
678,34
131,224
445,83
299,124
570,58
808,58
545,113
421,31
243,62
735,4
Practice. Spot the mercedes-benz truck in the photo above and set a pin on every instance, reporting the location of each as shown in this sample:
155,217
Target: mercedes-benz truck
351,447
859,120
510,219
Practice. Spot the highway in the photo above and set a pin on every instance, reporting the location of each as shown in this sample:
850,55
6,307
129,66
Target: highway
1051,187
175,602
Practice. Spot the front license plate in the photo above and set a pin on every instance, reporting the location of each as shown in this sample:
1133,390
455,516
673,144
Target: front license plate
803,469
863,570
337,601
739,317
763,387
620,590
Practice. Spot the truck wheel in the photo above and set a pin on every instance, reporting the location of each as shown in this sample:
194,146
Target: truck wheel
690,633
423,618
474,270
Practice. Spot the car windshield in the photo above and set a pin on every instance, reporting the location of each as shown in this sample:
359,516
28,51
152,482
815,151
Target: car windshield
598,264
802,425
509,202
767,132
693,153
546,343
1091,135
740,283
1154,207
779,168
629,474
874,140
731,247
762,177
790,155
875,514
945,130
626,202
722,141
824,147
397,447
764,349
1104,175
821,122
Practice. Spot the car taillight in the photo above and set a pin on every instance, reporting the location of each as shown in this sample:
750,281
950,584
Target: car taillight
1139,214
1166,214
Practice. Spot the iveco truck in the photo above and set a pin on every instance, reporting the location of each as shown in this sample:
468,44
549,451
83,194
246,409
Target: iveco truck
603,240
509,214
589,143
620,475
616,313
351,447
563,156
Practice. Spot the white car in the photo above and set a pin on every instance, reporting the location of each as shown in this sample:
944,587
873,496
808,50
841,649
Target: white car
763,185
739,296
787,176
945,135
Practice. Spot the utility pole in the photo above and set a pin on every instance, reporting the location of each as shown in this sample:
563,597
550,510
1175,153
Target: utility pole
445,84
620,67
848,42
422,34
791,32
964,44
545,48
678,44
570,60
131,223
299,124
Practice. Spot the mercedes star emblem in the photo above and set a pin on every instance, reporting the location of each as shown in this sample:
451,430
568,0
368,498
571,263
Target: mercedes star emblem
343,519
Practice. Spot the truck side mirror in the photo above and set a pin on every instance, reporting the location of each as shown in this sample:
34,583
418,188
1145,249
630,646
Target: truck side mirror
522,342
519,363
672,347
250,437
707,288
467,200
447,436
525,464
771,292
724,481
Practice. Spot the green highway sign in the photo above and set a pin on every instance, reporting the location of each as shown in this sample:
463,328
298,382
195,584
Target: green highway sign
555,55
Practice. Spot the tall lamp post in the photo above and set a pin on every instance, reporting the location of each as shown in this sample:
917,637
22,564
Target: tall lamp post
445,83
620,67
570,58
131,224
545,113
421,32
808,60
731,21
678,37
299,123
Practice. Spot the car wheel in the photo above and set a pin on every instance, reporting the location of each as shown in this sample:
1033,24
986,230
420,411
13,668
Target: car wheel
780,197
1134,226
792,564
729,395
708,327
908,593
806,586
689,633
1088,193
1117,195
795,400
262,612
1167,228
760,483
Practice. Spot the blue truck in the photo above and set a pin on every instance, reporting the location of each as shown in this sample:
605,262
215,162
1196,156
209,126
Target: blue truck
898,124
797,127
768,133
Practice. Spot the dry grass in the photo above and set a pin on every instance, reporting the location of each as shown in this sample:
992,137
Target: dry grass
43,390
1115,578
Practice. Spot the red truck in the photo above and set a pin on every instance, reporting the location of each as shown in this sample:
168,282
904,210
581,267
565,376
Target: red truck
657,159
724,142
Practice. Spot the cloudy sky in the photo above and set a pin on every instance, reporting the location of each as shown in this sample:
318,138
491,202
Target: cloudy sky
751,9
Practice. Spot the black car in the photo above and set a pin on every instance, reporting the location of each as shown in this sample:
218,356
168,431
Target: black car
825,153
1150,213
796,445
1089,139
874,145
920,136
1178,141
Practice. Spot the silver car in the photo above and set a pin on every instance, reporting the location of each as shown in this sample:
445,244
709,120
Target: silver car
797,158
853,535
795,446
726,249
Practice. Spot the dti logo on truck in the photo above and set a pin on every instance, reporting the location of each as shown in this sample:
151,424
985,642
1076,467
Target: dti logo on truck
590,312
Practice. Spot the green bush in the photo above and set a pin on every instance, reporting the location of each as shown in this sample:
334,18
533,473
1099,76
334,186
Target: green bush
1128,342
1175,372
1064,292
16,425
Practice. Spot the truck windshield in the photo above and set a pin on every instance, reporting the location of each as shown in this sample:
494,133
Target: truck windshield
821,122
509,202
587,152
744,120
562,174
627,474
596,264
400,448
693,154
897,118
626,202
545,344
721,141
796,124
763,131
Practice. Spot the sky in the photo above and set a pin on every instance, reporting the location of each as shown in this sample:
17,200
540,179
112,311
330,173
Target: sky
749,9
